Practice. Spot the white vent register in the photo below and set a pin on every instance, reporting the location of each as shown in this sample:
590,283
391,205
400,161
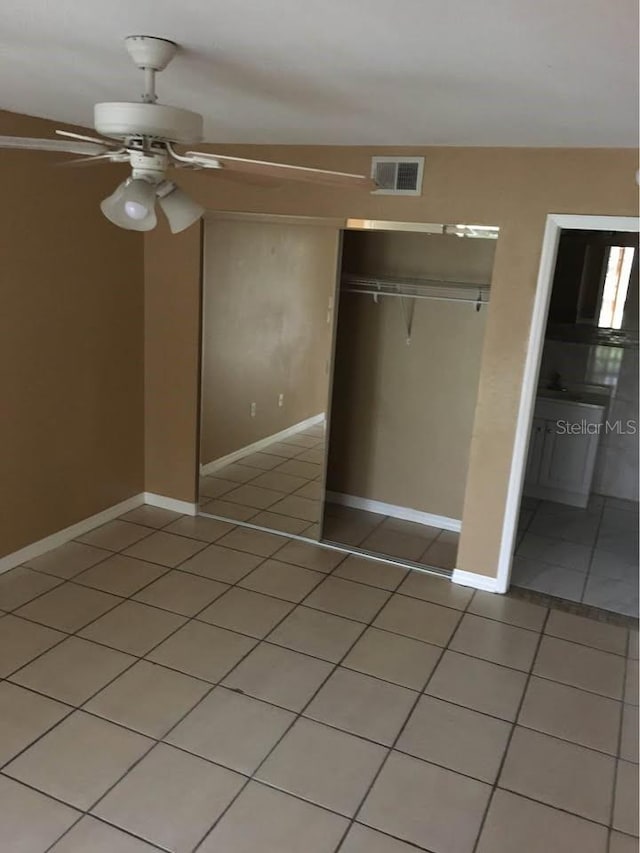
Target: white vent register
397,175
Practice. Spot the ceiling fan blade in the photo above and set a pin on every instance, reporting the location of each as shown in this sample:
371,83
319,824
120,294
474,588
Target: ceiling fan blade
282,171
110,156
63,146
99,140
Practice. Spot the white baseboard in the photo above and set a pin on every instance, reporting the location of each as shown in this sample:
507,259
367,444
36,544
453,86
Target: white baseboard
404,512
30,552
476,581
216,464
183,507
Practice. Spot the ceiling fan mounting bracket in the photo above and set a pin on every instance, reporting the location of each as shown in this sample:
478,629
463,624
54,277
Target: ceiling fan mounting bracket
149,52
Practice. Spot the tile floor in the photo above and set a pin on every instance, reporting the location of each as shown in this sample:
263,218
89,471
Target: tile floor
181,684
587,555
279,488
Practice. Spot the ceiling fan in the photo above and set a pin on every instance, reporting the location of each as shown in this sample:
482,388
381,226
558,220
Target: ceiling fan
144,134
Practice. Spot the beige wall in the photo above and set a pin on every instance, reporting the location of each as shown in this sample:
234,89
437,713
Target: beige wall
513,188
402,415
265,329
71,352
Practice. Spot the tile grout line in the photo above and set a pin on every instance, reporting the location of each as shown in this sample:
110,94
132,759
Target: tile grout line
593,550
619,744
514,725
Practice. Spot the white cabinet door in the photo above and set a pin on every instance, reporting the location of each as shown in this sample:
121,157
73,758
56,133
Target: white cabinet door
567,459
536,441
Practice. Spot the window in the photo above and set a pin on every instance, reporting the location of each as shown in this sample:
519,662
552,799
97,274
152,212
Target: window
616,285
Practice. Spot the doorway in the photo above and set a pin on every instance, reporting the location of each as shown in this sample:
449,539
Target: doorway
571,522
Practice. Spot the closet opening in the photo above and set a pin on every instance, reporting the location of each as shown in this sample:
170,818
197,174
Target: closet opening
411,313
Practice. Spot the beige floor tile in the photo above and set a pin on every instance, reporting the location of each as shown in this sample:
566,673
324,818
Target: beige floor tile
513,611
443,551
418,619
227,509
362,705
322,635
215,487
298,507
202,650
631,683
30,821
348,599
313,490
285,451
328,767
455,737
371,572
580,666
589,632
246,612
79,759
632,650
361,839
559,774
92,836
437,590
343,531
237,472
426,805
315,455
571,714
518,825
188,795
181,592
21,641
253,541
24,716
151,516
273,822
221,564
199,527
495,642
68,607
283,483
68,560
478,684
264,461
282,523
629,739
300,469
282,580
231,729
148,698
310,556
22,584
619,843
73,670
115,535
133,627
167,549
120,575
255,496
625,809
413,528
394,658
281,676
394,544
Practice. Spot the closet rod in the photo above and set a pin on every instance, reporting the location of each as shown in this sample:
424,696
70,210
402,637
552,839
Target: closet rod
416,288
478,298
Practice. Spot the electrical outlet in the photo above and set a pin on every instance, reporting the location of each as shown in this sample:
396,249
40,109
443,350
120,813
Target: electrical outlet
280,400
253,410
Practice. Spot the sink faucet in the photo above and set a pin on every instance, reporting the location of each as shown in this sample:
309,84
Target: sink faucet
556,384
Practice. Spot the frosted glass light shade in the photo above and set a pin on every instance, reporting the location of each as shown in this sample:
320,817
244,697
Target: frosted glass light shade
180,210
132,206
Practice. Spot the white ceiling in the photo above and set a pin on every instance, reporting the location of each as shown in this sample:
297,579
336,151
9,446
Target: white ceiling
370,72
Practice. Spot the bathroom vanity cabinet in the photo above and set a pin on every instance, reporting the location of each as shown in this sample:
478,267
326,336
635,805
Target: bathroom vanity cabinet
562,450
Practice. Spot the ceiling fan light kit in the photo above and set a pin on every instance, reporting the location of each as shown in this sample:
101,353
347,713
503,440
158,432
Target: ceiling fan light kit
143,134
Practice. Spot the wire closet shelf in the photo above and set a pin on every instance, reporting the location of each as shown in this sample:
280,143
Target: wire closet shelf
416,288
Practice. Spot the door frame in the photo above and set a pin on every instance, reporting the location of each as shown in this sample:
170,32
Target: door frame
555,223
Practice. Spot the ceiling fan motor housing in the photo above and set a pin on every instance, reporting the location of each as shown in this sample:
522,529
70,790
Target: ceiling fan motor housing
124,119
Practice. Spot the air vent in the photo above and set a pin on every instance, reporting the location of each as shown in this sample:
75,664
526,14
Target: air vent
397,175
